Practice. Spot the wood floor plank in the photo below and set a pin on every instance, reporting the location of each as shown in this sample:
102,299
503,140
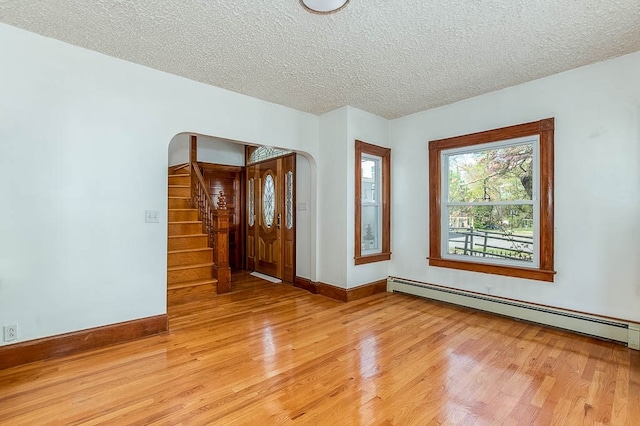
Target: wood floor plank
274,354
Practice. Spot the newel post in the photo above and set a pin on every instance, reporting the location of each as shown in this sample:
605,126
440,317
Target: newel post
221,269
193,159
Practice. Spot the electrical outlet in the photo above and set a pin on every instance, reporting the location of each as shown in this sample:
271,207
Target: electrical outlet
10,332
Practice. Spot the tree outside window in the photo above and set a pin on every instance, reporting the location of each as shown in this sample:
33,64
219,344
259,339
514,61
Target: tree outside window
491,203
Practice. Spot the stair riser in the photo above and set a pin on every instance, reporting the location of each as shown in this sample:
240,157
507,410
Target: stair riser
174,277
179,180
182,215
185,243
198,284
181,295
179,191
179,203
185,228
191,258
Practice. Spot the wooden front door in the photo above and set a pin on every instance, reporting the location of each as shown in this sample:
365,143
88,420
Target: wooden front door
271,218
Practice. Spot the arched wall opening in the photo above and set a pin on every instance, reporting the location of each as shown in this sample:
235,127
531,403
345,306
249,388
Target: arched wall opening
223,151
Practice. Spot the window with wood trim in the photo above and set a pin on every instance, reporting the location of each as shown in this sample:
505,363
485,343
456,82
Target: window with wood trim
372,206
491,201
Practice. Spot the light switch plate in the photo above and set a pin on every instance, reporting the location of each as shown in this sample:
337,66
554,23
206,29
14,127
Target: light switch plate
152,216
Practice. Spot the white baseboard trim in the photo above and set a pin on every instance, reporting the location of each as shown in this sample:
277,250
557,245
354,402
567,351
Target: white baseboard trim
617,330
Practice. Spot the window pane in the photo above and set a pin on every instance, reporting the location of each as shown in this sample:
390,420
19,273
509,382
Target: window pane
370,178
289,199
371,230
264,153
252,210
497,174
372,208
268,201
498,232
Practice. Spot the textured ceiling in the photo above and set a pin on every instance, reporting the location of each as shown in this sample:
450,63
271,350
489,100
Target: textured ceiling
388,57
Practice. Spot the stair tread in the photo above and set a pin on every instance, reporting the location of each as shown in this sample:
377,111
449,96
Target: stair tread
180,268
187,235
189,250
181,174
179,186
192,283
182,210
171,197
185,221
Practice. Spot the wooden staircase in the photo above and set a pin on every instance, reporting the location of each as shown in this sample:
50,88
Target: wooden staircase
189,259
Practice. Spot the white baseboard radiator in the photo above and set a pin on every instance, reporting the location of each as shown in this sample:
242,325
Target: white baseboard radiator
593,325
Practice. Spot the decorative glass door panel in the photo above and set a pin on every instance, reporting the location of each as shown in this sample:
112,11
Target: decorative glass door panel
289,199
268,249
269,200
252,190
252,210
271,232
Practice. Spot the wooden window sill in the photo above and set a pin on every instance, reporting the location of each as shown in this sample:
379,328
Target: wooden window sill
378,257
509,271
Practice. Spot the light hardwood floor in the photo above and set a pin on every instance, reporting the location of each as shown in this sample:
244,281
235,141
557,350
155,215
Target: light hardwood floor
269,354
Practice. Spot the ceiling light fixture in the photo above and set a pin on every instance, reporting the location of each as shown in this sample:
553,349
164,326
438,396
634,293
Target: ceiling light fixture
323,6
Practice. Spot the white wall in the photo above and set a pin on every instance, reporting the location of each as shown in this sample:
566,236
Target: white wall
210,150
305,217
338,131
372,129
83,153
597,186
179,149
219,151
332,198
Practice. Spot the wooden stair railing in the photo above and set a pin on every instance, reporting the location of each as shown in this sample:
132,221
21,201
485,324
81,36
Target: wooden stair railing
215,224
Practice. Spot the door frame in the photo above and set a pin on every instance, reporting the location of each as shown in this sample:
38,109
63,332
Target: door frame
287,272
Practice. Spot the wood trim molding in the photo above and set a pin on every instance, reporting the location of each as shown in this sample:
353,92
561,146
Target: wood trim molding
545,130
220,167
366,290
509,271
371,258
305,284
339,293
331,291
82,340
177,167
193,149
385,155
